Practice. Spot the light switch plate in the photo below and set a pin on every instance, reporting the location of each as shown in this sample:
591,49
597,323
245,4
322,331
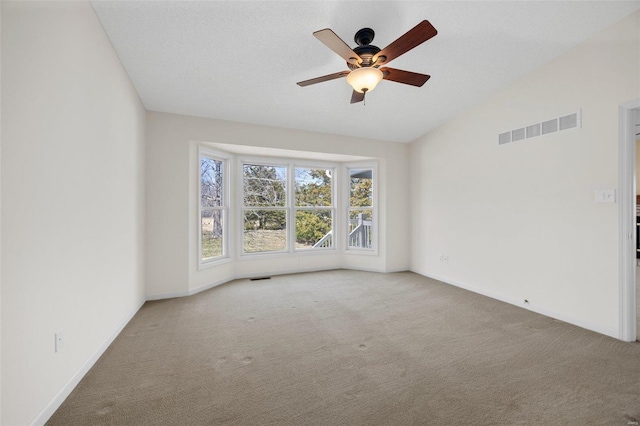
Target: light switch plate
605,195
59,336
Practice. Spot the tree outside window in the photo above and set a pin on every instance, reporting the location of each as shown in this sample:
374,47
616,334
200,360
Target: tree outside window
313,208
264,211
213,208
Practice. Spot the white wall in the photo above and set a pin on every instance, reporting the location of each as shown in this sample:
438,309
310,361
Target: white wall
171,188
519,221
0,216
72,200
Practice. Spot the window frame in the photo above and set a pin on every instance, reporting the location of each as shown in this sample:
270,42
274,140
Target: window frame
332,208
347,167
269,162
224,208
290,164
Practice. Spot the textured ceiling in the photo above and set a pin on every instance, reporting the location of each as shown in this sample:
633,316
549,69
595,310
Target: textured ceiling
240,60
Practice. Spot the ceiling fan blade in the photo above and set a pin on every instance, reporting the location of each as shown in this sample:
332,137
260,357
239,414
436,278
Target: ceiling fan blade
412,38
357,97
323,78
335,43
405,77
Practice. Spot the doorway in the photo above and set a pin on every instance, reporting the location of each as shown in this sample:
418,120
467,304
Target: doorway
629,288
636,137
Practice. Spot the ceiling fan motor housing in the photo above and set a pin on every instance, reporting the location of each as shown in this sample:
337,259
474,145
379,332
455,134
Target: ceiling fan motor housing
365,50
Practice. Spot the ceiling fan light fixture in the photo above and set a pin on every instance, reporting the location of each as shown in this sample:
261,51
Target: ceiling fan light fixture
364,79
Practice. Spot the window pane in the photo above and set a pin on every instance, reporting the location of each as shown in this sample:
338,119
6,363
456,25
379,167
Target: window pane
361,188
211,228
313,187
264,185
210,182
264,230
313,229
360,229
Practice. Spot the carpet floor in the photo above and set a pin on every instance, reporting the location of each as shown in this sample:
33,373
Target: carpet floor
354,348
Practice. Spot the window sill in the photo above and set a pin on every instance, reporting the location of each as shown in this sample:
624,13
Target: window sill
363,252
286,254
213,263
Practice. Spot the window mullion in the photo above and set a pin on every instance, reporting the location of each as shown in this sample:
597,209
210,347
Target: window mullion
291,216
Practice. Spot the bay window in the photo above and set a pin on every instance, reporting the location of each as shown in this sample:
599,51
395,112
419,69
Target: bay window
283,206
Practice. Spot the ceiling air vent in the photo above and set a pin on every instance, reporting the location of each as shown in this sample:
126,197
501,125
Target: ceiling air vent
566,122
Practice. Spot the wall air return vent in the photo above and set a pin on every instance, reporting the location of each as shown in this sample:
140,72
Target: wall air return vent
517,135
549,126
565,122
569,121
533,131
504,138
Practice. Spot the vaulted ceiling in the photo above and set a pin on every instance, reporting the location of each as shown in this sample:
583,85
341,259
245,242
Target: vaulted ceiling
240,60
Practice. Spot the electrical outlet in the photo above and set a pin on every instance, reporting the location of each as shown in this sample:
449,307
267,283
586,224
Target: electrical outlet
59,336
444,258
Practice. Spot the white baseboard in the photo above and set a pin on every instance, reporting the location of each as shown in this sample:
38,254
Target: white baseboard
208,286
57,400
170,295
283,272
394,270
537,309
184,293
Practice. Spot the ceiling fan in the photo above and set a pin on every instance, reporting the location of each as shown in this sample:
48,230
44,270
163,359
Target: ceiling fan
365,60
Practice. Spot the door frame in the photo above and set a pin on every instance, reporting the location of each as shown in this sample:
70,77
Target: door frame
627,220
